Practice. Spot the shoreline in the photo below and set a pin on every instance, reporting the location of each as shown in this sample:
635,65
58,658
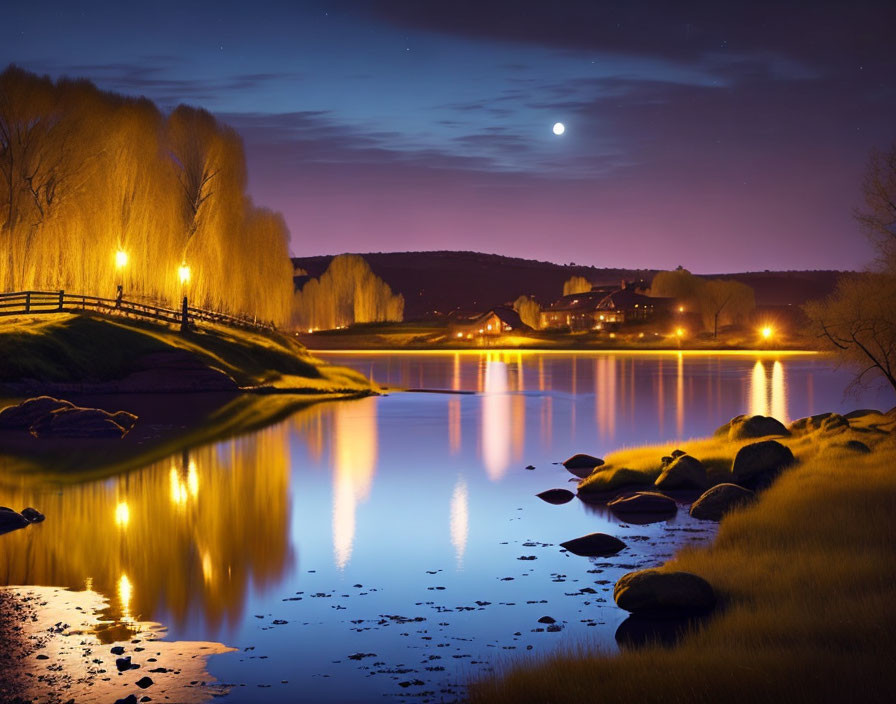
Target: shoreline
573,350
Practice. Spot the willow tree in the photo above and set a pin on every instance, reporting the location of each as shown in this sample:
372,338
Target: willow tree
347,292
679,284
576,284
529,311
86,173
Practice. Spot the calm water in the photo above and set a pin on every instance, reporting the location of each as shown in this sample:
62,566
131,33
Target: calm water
393,528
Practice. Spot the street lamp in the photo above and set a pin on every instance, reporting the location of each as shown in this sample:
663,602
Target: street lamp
767,332
183,274
121,261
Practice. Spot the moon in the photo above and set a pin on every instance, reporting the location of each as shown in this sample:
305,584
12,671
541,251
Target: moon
559,128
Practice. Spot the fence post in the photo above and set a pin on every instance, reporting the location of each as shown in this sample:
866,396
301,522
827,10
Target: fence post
61,297
28,302
118,296
184,319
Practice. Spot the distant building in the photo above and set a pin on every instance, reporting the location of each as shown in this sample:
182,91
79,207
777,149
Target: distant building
603,308
498,321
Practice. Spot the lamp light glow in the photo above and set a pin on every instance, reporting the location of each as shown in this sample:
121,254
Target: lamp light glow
121,259
183,274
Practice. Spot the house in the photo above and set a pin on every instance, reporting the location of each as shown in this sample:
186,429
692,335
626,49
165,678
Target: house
497,321
603,308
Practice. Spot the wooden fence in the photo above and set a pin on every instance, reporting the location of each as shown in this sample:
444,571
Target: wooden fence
46,302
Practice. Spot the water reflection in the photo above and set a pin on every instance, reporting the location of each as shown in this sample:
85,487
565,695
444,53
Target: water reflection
769,398
460,520
354,454
180,540
496,411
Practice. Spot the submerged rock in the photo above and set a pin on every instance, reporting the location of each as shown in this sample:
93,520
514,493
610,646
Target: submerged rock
78,423
743,427
594,545
657,592
719,500
643,502
556,496
757,465
32,515
11,520
684,472
21,416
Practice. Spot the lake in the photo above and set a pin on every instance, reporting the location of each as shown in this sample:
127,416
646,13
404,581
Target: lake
394,546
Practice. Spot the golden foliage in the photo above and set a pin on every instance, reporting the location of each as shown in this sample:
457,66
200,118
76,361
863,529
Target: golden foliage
576,284
87,174
348,292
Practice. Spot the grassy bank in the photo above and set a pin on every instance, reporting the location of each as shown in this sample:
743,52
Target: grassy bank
186,389
808,577
91,348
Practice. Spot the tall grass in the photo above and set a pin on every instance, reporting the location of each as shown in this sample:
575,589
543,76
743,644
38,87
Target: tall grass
808,578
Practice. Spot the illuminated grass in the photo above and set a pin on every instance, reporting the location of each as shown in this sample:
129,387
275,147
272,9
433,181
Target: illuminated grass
809,576
94,348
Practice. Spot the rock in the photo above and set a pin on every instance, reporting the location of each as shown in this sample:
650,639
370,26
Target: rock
861,413
684,472
854,445
719,500
743,427
582,461
117,650
678,453
654,592
594,545
22,416
77,423
825,422
666,460
32,515
530,466
130,699
547,619
11,520
123,663
556,496
643,502
757,465
144,682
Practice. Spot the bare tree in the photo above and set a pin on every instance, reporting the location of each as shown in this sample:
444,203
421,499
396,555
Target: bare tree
878,217
858,323
724,301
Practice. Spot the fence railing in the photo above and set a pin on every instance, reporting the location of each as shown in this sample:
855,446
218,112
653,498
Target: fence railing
46,302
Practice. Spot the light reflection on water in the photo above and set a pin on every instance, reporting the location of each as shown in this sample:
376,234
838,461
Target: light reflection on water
400,494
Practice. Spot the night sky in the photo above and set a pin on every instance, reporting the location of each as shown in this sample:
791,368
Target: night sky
719,136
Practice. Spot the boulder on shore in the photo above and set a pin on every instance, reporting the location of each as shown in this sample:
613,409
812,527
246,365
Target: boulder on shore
643,502
556,496
654,591
21,416
77,423
745,427
684,472
825,422
716,502
594,545
758,464
582,461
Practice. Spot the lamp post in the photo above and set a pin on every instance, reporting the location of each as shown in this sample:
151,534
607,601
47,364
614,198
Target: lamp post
121,261
183,274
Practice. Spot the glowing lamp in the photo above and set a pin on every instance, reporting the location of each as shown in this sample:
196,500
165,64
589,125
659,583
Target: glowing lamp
679,332
121,259
681,309
183,273
767,332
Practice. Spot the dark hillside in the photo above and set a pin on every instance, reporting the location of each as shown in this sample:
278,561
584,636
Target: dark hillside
434,283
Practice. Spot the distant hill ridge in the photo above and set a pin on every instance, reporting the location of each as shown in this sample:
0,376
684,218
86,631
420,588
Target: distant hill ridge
434,283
